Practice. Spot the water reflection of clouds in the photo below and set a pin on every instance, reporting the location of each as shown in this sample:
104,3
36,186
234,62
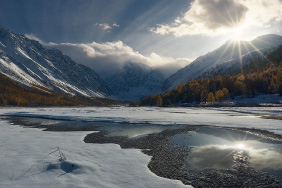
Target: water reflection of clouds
210,157
134,131
219,149
114,129
266,159
222,157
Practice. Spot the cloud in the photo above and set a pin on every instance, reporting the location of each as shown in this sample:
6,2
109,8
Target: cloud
171,67
215,17
106,27
109,57
33,37
115,25
263,12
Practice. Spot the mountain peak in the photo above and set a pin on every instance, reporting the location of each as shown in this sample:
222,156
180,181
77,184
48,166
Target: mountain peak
4,31
4,28
267,40
268,37
135,81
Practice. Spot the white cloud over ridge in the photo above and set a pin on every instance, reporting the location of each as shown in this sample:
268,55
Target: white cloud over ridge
215,17
109,57
33,37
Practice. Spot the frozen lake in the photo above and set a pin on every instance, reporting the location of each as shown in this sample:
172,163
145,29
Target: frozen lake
210,147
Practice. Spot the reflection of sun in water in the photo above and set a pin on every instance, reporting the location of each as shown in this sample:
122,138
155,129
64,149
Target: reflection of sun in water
240,146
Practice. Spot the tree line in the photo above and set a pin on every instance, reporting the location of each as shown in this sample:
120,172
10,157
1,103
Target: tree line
13,94
261,76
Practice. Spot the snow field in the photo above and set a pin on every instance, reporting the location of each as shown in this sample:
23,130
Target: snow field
25,162
246,117
27,159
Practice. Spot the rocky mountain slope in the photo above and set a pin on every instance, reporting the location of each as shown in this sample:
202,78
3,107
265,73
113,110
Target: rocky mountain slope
29,63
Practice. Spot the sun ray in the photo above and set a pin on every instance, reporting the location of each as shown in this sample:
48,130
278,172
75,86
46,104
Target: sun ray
220,56
245,137
231,21
257,50
249,51
246,47
233,48
240,56
264,41
229,154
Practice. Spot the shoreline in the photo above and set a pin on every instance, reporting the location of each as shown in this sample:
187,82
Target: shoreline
168,161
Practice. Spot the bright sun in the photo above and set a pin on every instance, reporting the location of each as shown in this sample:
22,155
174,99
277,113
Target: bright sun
236,33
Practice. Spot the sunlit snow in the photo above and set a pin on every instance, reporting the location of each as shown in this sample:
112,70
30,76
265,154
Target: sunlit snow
24,151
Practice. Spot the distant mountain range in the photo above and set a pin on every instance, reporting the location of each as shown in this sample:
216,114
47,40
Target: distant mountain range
134,81
31,64
226,57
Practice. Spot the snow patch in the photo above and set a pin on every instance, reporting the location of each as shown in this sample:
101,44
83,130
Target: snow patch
2,44
10,66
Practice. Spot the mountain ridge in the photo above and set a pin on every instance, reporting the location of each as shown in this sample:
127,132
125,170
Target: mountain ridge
230,50
28,62
261,76
134,81
31,64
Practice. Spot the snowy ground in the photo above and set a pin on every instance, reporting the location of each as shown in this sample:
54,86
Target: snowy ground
259,99
25,162
247,117
23,151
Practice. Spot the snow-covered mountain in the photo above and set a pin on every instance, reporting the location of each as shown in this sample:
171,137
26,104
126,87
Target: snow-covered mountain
228,56
134,81
235,65
29,63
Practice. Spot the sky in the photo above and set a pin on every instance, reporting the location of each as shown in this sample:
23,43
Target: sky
105,34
